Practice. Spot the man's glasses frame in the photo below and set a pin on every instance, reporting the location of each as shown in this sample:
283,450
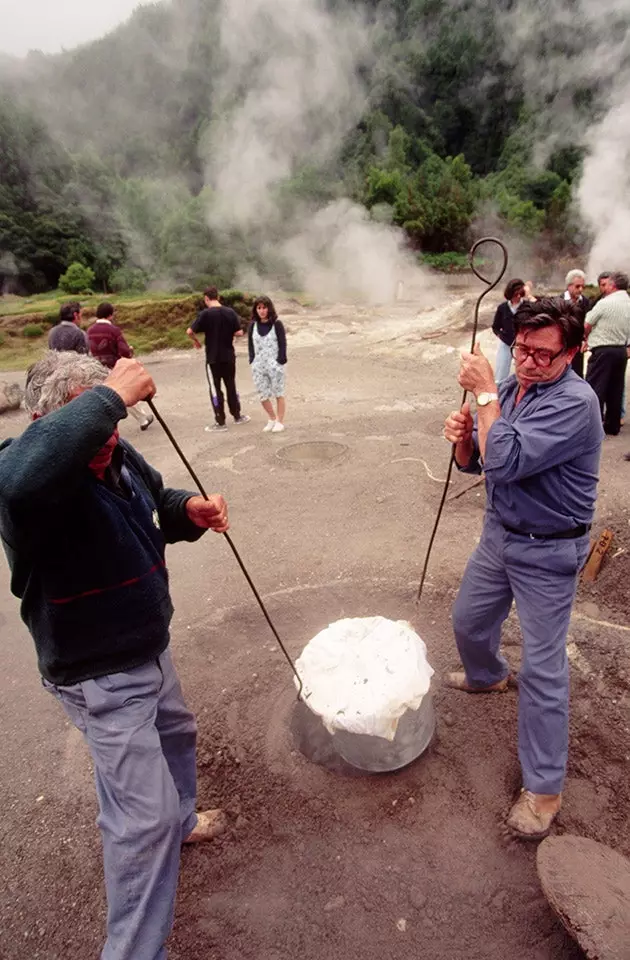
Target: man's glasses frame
542,358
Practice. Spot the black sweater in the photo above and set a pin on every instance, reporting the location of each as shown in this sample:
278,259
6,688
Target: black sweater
263,330
503,323
87,557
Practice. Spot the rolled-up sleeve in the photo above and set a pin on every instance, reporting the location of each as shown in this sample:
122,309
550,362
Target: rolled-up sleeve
552,434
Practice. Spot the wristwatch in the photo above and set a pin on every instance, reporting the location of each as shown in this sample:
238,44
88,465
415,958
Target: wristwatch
485,398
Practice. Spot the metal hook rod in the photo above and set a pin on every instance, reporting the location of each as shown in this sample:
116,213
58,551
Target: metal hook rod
490,285
203,493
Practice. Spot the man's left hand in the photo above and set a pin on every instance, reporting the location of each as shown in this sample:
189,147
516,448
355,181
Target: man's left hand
476,374
210,514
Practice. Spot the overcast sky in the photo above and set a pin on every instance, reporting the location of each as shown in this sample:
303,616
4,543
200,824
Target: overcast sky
49,25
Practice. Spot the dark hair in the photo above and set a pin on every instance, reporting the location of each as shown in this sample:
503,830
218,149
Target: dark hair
266,302
512,287
620,280
104,311
211,293
68,311
552,312
604,276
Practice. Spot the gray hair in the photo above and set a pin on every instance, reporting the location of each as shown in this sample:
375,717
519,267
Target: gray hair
620,281
573,275
52,381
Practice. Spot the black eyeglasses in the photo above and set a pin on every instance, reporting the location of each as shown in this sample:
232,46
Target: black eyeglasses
542,358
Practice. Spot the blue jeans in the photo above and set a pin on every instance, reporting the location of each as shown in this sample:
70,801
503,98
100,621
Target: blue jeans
503,363
541,576
142,740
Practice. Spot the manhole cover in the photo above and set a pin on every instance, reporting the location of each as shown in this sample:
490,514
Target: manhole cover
312,452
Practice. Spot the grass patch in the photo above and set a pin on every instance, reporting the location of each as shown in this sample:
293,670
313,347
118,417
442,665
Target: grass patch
451,262
33,330
151,321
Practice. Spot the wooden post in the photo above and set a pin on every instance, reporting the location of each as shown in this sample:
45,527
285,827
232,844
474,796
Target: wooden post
599,549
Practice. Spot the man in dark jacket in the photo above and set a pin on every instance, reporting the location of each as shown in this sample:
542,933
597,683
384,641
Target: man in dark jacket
220,325
575,282
84,522
108,344
67,334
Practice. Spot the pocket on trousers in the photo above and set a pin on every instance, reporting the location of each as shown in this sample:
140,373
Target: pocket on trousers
560,557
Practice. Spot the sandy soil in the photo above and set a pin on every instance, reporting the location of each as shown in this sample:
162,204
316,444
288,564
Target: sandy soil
318,864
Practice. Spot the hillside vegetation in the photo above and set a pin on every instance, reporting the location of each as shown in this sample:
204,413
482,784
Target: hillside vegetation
150,321
104,150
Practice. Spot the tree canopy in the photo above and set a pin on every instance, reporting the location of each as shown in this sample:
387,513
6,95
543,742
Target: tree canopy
103,150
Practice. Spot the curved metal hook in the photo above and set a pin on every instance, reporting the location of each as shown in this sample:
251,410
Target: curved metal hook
490,285
471,260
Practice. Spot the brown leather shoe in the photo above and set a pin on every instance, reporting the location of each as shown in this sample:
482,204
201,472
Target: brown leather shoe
210,824
533,813
459,682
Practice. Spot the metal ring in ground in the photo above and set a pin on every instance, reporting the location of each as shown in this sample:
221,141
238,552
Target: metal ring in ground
312,453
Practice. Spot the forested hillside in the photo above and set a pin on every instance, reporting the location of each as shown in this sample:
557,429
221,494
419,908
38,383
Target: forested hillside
108,152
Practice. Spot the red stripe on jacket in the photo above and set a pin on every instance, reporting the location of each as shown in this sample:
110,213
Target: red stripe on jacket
116,586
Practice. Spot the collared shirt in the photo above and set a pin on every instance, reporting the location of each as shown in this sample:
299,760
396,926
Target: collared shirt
581,301
542,455
610,321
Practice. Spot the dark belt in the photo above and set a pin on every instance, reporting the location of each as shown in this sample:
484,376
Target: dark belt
580,531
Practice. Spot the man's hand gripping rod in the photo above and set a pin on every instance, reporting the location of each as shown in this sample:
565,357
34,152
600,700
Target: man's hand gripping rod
491,284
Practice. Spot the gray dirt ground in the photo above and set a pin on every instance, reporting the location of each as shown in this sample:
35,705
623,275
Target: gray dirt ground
318,865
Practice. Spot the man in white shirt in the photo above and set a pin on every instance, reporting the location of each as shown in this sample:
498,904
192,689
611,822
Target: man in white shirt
608,332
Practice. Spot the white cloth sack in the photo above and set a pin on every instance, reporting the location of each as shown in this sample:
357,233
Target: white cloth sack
361,675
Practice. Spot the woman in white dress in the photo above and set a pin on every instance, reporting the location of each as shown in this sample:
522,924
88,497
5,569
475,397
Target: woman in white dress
268,357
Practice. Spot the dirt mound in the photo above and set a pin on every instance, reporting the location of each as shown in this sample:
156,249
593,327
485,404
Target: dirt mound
357,866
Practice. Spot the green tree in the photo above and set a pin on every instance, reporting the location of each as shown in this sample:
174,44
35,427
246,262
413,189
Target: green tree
77,279
438,204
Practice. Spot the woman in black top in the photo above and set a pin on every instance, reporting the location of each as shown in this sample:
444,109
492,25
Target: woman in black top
503,327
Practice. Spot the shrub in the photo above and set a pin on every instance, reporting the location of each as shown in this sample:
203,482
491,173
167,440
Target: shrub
230,297
128,280
183,288
446,262
32,330
77,279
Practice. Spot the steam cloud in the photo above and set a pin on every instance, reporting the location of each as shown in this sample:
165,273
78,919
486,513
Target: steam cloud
548,43
288,93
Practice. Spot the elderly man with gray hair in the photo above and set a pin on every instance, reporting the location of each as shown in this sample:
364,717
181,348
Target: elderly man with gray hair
84,521
575,282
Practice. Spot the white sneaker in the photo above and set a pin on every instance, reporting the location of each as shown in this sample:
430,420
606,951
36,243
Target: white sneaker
277,427
243,419
270,425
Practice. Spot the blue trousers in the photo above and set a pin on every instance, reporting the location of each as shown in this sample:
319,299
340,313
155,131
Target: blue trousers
541,577
503,363
142,740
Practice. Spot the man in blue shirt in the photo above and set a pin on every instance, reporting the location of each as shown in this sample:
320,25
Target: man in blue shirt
538,439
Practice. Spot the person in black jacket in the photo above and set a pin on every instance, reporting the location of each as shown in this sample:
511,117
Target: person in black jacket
84,522
575,282
503,326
